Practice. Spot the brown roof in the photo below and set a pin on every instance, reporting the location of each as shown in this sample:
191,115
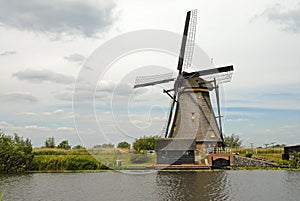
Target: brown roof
175,144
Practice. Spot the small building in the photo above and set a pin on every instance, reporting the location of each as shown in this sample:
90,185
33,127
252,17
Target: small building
289,150
175,151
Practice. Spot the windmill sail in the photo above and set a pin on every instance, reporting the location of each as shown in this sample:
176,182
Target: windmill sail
143,81
190,43
192,127
188,40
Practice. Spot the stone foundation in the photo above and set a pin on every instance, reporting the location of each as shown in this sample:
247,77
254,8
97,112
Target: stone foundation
240,161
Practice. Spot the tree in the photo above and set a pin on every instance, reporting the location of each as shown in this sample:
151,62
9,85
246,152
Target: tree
78,147
144,143
233,141
50,142
15,153
124,145
64,145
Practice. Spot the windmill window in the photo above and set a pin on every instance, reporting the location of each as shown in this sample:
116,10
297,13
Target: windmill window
193,116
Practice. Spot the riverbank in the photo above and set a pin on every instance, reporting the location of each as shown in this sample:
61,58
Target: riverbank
82,160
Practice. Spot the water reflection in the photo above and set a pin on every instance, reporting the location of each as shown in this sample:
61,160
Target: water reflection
160,186
179,186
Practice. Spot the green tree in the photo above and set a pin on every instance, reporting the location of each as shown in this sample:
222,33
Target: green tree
15,153
50,142
64,145
124,145
144,143
233,141
78,147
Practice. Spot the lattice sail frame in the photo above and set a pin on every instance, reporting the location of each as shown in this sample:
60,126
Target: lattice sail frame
190,43
220,78
149,80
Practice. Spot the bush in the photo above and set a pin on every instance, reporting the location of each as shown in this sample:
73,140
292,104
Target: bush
144,143
66,162
139,158
123,145
15,154
64,145
295,160
249,154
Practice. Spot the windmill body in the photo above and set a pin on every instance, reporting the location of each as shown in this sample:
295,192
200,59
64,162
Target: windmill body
192,128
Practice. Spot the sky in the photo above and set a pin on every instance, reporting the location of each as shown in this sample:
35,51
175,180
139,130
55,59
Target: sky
47,47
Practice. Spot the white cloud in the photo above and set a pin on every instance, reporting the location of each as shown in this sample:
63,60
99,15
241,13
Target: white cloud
289,19
18,97
55,112
65,129
4,124
58,16
36,127
237,120
43,76
75,58
27,114
6,53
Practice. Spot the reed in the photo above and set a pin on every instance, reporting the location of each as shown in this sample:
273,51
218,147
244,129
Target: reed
2,194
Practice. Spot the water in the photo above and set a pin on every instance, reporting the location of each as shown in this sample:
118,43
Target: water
161,186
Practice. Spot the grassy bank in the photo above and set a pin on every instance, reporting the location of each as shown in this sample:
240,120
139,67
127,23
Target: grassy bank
267,154
102,159
59,160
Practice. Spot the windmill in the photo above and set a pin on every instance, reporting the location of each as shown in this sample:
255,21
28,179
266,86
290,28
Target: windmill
192,127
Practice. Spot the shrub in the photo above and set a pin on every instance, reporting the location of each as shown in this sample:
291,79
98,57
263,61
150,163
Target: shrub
295,160
144,143
66,162
123,145
15,154
64,145
249,154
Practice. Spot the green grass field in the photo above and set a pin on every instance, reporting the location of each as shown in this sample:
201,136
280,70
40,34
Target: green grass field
82,159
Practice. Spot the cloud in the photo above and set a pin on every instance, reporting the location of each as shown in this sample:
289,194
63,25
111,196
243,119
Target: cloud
64,96
288,18
58,16
65,129
6,53
4,124
27,114
42,76
75,58
237,120
36,127
19,96
55,112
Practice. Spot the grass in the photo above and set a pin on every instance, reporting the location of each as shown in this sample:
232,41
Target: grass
2,194
95,159
268,154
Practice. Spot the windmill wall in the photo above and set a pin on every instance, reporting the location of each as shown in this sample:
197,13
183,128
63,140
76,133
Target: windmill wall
194,119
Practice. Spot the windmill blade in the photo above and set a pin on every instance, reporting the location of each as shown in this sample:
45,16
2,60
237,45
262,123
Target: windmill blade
221,74
189,49
190,14
143,81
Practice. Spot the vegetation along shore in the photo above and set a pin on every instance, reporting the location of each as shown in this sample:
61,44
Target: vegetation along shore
17,155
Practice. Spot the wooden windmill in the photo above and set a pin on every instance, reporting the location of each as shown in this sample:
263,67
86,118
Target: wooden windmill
192,127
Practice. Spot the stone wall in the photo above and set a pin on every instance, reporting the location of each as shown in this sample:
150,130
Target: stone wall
240,161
